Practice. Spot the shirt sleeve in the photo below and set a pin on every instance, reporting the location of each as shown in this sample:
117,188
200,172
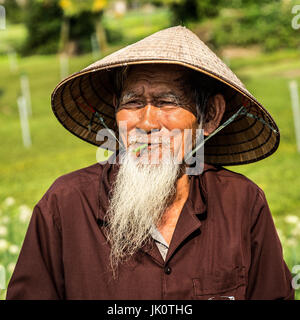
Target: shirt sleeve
269,277
38,274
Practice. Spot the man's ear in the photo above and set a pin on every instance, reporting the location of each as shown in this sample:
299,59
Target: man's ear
216,109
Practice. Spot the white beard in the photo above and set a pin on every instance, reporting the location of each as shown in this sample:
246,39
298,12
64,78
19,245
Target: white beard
140,195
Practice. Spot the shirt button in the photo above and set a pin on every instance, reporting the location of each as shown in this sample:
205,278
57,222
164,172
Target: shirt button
168,270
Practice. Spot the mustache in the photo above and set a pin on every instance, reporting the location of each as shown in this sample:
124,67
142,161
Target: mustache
149,140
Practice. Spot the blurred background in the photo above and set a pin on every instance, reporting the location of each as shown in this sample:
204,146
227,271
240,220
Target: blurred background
43,41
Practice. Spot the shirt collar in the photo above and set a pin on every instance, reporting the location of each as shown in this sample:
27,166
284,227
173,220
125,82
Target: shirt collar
157,236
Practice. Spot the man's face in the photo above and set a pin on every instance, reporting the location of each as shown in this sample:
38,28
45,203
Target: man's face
155,98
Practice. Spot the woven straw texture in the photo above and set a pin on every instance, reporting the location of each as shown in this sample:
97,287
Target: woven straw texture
247,139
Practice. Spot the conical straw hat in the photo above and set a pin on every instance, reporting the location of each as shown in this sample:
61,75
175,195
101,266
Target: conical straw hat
247,139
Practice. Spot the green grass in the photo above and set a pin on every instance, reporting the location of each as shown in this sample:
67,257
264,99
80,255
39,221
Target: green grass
50,140
266,60
269,82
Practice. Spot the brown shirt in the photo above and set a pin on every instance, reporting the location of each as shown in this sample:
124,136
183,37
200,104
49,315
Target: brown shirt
224,246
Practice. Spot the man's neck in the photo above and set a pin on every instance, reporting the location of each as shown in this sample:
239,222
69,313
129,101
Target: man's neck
182,189
171,215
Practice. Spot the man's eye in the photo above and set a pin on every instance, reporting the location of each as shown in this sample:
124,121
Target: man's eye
167,103
132,104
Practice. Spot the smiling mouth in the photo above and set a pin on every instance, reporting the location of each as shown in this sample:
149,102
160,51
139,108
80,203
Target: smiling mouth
141,147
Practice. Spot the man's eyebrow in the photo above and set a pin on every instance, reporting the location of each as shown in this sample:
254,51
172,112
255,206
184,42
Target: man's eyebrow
167,95
161,95
128,96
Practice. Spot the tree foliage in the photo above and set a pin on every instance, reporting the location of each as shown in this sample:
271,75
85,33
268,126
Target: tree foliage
14,12
190,10
90,9
43,23
267,24
46,22
76,7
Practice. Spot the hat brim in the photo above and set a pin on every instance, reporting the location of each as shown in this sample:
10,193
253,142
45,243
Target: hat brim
246,140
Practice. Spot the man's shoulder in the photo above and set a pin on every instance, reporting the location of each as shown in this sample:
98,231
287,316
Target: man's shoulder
68,193
78,180
78,177
235,191
238,182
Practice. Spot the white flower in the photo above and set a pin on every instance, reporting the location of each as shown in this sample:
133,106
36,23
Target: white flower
292,219
292,242
2,277
3,244
9,201
296,231
280,235
5,219
3,231
11,267
14,249
24,213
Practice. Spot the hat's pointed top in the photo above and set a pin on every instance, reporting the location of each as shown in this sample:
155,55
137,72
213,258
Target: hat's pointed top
172,45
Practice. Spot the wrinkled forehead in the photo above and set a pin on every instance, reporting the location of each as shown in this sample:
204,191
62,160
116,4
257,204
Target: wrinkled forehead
173,76
171,82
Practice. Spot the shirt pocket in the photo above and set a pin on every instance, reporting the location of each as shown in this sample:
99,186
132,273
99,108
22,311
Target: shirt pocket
221,285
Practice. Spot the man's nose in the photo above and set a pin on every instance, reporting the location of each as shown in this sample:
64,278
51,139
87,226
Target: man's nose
149,118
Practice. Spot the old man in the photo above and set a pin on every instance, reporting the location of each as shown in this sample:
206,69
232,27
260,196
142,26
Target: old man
133,228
